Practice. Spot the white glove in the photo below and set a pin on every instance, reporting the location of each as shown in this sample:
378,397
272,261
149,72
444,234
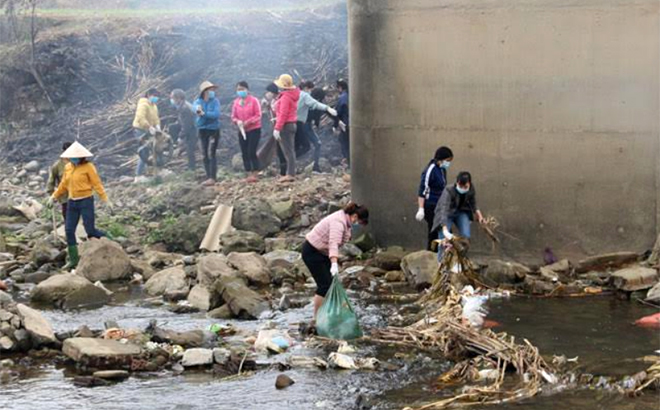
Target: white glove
276,135
158,128
335,131
332,111
334,269
420,215
108,205
448,235
50,202
152,130
239,124
342,126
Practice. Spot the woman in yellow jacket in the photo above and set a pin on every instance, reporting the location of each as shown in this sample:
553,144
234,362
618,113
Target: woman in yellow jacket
146,124
80,181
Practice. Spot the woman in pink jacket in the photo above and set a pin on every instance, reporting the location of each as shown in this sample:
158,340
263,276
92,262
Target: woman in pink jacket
320,252
246,115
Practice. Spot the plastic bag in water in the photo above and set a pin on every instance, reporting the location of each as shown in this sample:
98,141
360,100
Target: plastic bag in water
336,318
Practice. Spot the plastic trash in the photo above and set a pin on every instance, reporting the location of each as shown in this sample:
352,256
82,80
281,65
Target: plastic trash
336,318
278,344
342,361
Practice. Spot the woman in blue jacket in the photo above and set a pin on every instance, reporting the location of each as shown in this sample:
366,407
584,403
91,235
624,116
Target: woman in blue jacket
431,186
207,108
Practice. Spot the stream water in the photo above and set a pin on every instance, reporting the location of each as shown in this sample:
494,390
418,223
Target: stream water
597,329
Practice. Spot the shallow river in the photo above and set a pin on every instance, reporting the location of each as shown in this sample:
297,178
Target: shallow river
596,329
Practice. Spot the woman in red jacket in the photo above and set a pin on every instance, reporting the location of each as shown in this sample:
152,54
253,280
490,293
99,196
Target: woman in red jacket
246,115
286,112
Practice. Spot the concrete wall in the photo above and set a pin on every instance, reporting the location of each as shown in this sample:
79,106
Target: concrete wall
552,105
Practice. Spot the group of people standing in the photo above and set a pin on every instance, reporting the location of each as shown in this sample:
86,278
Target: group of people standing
287,116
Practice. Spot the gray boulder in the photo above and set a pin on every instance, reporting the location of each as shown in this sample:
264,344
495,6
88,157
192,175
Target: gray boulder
100,353
104,260
212,266
284,210
282,259
243,301
197,357
170,280
252,266
634,278
69,291
501,272
34,323
203,298
44,252
420,268
242,241
256,215
390,259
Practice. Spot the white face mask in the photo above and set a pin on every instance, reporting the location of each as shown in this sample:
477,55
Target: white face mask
462,190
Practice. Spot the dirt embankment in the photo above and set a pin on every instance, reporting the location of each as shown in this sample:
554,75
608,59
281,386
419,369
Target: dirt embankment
94,70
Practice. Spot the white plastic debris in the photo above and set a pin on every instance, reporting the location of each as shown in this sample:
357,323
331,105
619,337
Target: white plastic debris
342,361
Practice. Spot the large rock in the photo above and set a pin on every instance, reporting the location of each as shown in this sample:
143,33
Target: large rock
100,353
365,241
204,298
143,268
197,357
242,241
212,266
282,259
653,295
284,210
499,271
167,281
184,233
252,265
606,261
634,278
192,338
104,260
34,323
44,252
243,301
389,260
420,268
69,291
256,215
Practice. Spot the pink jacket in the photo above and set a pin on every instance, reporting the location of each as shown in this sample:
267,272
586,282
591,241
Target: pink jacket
286,109
250,113
331,233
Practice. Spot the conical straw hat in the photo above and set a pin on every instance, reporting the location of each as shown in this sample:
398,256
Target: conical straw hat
76,150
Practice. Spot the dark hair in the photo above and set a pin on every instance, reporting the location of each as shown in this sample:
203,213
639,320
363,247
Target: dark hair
318,94
243,84
361,211
307,84
443,153
342,84
152,91
463,178
272,87
66,146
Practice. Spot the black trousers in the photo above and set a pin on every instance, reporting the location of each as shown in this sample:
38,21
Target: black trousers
345,142
209,140
429,214
249,146
319,265
302,140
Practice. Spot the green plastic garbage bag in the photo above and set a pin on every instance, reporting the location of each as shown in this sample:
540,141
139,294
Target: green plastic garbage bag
336,318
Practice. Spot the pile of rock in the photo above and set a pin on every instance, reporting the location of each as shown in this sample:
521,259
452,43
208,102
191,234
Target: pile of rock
22,328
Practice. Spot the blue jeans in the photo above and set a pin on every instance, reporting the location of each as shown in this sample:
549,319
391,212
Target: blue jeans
143,151
75,210
462,221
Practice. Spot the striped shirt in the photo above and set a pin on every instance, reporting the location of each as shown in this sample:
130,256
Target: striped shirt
332,232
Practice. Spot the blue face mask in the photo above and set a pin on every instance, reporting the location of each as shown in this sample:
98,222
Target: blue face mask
153,100
75,161
174,104
211,95
242,94
445,164
462,190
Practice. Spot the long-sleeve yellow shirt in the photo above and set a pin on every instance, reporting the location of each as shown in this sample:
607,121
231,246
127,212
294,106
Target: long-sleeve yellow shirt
80,182
146,115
